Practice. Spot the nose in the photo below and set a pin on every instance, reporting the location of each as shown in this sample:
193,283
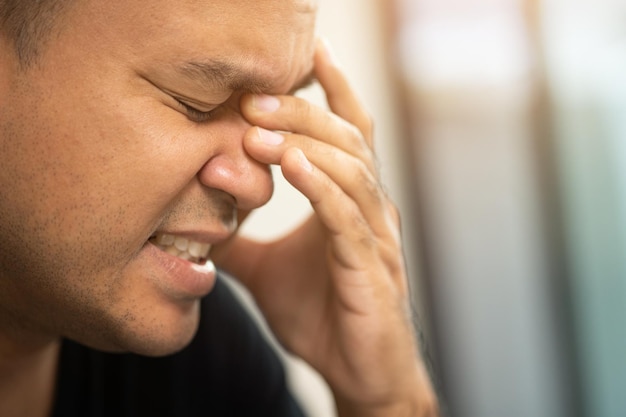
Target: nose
232,170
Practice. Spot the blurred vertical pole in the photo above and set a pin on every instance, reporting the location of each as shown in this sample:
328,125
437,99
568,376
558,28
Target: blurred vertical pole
553,227
469,91
586,61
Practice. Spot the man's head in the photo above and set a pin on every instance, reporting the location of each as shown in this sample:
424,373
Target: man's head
106,145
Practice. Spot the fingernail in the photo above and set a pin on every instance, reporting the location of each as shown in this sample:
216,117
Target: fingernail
265,103
268,137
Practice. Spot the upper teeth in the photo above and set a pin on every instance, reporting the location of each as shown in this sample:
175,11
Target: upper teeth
182,247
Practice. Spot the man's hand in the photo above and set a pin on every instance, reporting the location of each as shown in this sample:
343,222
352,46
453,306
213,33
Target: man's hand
335,291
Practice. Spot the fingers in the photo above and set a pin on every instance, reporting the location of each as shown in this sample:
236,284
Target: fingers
328,156
292,114
346,225
351,175
340,96
348,125
355,242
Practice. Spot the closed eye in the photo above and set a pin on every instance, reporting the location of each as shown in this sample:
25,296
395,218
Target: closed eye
194,114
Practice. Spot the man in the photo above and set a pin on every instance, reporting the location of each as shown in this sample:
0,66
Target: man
135,136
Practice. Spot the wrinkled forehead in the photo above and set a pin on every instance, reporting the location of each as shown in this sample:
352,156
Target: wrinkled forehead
250,15
272,36
275,38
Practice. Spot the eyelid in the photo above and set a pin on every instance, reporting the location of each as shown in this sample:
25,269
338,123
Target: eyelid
196,105
193,113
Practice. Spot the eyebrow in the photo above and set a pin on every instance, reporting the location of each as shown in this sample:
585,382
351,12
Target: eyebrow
228,76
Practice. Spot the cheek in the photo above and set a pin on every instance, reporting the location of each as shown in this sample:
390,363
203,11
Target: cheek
84,185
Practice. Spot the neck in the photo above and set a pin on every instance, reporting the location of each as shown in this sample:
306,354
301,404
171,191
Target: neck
27,373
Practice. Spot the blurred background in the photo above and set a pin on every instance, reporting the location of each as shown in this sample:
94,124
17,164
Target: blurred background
501,131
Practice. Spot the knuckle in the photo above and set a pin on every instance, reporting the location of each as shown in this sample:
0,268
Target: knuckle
301,109
363,231
357,137
357,224
368,124
365,178
394,222
329,153
394,212
335,191
368,241
359,145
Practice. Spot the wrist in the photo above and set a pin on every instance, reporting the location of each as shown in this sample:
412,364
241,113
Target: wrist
425,406
417,399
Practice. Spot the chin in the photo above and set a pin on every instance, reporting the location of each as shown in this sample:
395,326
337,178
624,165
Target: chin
155,335
167,338
162,346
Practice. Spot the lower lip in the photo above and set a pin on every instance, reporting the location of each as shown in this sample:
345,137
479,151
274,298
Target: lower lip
179,278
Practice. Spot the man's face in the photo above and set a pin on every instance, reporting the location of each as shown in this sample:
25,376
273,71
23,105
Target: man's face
101,154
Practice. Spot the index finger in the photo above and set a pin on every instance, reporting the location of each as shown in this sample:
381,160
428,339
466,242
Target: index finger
341,98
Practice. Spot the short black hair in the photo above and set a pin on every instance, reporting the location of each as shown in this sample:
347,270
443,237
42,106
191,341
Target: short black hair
28,25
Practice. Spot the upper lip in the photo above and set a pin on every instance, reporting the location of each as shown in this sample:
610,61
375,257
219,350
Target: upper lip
210,237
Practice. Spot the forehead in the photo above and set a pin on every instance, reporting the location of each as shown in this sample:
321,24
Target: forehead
271,37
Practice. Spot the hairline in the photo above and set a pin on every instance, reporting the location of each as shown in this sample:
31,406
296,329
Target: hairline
28,25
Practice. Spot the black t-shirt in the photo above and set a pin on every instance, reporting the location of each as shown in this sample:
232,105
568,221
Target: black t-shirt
228,370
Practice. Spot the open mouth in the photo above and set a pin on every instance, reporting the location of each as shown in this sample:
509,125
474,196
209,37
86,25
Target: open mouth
181,247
